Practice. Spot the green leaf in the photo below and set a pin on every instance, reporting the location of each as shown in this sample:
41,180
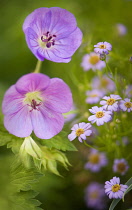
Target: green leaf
24,201
59,142
116,201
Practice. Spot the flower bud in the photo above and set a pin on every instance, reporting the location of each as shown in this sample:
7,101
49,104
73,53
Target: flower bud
102,57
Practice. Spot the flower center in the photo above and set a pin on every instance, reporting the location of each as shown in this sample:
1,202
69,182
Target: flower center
94,158
47,40
128,104
121,167
116,188
94,195
33,99
104,83
110,101
94,59
102,46
93,95
99,114
79,131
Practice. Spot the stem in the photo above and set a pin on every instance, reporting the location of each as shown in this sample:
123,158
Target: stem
38,66
88,145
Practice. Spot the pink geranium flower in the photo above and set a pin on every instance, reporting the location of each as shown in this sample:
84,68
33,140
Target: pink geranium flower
36,103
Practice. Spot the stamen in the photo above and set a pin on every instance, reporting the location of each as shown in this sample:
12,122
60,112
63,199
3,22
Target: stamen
116,188
110,101
128,104
79,131
99,114
47,40
94,158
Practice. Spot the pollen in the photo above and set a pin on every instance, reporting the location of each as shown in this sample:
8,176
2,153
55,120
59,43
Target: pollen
99,114
110,101
94,158
121,167
104,83
116,188
30,96
94,59
94,195
102,46
79,131
128,104
93,95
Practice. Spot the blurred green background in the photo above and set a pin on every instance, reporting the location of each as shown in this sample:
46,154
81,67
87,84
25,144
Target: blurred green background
97,19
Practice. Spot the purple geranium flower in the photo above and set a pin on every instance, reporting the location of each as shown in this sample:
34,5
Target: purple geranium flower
114,189
120,166
92,61
104,83
102,48
100,116
94,96
95,196
126,105
52,34
110,102
96,160
35,103
81,130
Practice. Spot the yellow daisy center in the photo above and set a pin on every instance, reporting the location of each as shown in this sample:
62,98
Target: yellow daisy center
79,131
94,59
102,46
110,101
94,158
121,167
94,195
93,95
104,83
128,104
116,188
99,114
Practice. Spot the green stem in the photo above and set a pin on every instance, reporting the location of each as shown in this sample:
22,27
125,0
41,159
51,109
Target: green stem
88,145
38,66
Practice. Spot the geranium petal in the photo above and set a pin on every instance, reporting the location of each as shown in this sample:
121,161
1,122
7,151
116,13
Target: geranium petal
12,101
32,82
19,123
46,123
58,96
62,22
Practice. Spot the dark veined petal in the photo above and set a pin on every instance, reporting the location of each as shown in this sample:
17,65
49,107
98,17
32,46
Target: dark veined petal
58,96
19,122
12,101
37,14
66,47
46,123
50,55
62,22
32,82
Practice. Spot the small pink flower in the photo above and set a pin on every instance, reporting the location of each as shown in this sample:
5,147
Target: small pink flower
114,189
100,116
110,103
96,160
102,48
126,105
120,166
81,130
92,61
94,96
